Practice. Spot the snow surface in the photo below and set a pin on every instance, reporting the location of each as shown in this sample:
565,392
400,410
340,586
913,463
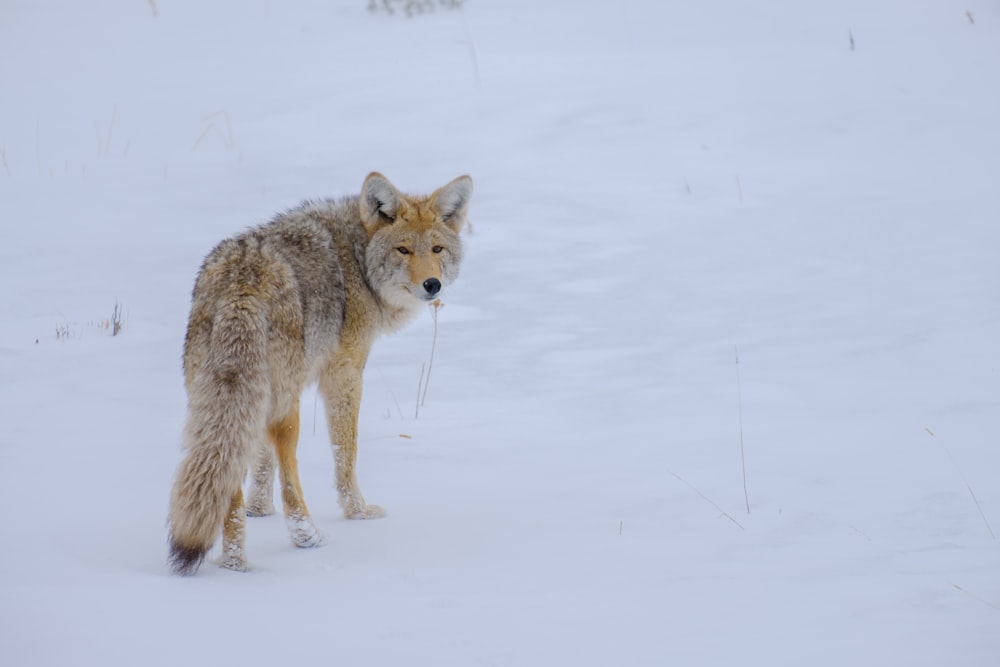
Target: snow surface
660,186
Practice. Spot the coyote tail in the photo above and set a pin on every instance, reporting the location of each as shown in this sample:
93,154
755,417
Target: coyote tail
227,398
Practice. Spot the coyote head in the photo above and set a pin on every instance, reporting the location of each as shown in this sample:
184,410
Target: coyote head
414,248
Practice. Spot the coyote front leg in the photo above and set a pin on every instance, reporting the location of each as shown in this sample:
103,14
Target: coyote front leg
341,389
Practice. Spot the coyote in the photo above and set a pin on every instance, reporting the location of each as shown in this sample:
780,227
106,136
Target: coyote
291,302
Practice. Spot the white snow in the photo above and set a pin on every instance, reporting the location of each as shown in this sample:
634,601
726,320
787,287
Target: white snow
658,187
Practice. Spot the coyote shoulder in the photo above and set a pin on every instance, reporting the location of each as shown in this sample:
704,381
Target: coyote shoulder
295,301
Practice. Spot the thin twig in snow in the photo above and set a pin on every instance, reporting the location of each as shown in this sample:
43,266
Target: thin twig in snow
225,137
472,48
434,308
707,499
420,384
229,130
391,393
104,141
115,324
976,597
739,401
965,481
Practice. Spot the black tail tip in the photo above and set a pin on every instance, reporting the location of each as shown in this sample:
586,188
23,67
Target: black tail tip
185,560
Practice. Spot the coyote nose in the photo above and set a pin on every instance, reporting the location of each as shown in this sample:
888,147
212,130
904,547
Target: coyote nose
432,286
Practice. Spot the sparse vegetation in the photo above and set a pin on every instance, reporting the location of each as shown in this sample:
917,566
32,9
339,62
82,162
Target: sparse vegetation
104,138
412,7
64,331
114,324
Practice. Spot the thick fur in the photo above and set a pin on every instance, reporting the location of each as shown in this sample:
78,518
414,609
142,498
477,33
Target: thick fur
295,301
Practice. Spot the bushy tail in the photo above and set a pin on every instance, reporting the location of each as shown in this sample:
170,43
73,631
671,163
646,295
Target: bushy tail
227,398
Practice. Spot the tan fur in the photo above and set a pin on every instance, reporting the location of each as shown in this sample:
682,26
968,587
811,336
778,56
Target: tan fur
298,300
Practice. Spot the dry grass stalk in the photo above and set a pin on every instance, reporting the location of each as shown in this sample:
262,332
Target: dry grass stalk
968,486
707,499
739,400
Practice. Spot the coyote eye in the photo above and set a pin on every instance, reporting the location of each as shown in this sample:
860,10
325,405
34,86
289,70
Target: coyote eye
436,249
402,250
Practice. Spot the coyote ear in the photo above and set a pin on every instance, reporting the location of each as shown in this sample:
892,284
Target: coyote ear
379,200
452,201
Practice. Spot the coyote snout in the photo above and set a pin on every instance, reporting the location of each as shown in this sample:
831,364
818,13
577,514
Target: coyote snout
431,287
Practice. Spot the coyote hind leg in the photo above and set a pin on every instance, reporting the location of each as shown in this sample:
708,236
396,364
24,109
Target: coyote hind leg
285,436
261,501
234,552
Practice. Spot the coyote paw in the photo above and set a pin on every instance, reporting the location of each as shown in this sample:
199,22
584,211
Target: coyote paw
235,564
365,512
260,508
303,532
234,557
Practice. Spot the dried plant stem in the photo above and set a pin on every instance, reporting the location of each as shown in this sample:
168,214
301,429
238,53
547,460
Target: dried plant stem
739,402
968,486
420,384
425,369
976,597
707,499
225,135
395,400
116,319
434,308
472,48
